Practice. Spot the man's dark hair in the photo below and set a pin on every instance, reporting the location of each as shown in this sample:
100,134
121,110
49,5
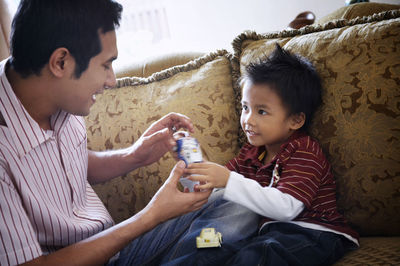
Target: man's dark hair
293,78
41,26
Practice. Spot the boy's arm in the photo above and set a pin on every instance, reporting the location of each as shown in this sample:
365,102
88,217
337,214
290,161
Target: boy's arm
266,201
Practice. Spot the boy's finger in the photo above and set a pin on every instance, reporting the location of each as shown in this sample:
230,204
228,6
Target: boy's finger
199,178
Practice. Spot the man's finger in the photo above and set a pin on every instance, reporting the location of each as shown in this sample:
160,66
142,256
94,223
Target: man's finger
176,173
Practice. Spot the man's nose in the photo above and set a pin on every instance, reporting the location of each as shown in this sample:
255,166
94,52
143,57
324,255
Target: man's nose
111,81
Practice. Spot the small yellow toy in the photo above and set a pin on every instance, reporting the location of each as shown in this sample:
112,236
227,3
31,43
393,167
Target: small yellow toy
209,238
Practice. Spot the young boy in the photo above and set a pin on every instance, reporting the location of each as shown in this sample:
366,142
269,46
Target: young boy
282,173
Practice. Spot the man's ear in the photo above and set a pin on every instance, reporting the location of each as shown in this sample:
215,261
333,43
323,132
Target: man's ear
59,62
297,120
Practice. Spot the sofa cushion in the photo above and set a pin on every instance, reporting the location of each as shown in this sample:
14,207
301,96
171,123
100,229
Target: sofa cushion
201,89
156,64
358,124
374,251
357,10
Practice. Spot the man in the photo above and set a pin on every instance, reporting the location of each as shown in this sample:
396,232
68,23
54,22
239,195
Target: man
61,58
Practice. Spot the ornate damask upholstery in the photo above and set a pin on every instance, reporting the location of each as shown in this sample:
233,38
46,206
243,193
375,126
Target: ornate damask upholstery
201,89
358,124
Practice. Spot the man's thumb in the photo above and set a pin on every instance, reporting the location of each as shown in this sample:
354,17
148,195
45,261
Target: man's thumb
177,172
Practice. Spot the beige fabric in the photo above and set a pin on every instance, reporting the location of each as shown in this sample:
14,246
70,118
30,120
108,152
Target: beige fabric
357,10
201,89
374,251
358,125
157,63
5,28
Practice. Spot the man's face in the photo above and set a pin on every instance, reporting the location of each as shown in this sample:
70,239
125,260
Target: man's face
79,94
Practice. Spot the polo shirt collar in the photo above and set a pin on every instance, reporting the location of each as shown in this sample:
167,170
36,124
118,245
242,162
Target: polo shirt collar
25,131
257,154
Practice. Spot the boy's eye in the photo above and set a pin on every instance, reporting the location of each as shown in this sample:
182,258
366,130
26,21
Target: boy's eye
244,107
262,112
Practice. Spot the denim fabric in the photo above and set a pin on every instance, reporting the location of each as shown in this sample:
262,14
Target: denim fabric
277,244
176,238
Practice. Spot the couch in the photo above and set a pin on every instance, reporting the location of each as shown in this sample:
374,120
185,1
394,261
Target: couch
356,50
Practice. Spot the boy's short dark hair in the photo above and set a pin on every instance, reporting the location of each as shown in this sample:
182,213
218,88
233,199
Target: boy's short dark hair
293,78
41,26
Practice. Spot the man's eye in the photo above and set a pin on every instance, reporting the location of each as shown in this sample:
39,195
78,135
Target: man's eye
244,107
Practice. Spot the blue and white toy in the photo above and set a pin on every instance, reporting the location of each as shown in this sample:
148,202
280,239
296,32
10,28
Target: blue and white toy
188,149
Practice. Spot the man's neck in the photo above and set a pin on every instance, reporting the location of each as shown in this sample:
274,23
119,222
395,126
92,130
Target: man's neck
31,92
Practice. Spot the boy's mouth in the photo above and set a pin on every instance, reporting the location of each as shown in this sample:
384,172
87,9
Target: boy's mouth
251,133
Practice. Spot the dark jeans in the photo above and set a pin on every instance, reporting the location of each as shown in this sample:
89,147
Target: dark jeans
176,238
277,244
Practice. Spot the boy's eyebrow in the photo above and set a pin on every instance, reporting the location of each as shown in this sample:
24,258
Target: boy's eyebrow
262,106
265,106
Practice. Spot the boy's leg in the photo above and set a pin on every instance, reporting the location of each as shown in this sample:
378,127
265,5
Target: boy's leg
290,244
232,220
153,243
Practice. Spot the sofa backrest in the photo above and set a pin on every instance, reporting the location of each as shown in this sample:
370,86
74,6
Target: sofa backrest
358,124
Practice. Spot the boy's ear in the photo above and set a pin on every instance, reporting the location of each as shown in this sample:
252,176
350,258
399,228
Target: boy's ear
59,60
297,120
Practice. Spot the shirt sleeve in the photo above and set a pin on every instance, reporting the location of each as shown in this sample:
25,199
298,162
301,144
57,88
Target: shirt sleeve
18,241
266,201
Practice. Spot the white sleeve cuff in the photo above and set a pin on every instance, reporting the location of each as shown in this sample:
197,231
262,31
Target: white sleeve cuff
266,201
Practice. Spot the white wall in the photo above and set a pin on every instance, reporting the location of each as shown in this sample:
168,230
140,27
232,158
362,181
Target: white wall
214,23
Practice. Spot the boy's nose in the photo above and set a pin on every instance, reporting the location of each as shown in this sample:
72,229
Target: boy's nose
248,119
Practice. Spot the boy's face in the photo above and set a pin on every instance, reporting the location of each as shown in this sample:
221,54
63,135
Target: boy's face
264,118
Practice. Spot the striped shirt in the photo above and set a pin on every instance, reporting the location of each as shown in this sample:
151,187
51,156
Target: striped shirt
46,202
301,170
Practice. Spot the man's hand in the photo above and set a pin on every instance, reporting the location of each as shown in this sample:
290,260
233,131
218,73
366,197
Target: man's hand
169,202
158,138
210,175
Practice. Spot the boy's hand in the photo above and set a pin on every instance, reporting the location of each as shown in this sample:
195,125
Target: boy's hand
169,202
210,175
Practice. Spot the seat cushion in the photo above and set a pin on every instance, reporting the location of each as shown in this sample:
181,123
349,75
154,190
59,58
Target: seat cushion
374,251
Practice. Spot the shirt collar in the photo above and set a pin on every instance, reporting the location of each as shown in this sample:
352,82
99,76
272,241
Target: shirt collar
25,131
258,153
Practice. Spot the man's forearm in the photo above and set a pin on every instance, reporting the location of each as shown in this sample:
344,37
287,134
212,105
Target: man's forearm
106,165
98,249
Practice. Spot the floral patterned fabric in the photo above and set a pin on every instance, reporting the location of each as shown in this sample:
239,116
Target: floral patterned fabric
358,124
201,89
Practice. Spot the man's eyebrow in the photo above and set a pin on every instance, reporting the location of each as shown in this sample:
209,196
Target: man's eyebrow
111,59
